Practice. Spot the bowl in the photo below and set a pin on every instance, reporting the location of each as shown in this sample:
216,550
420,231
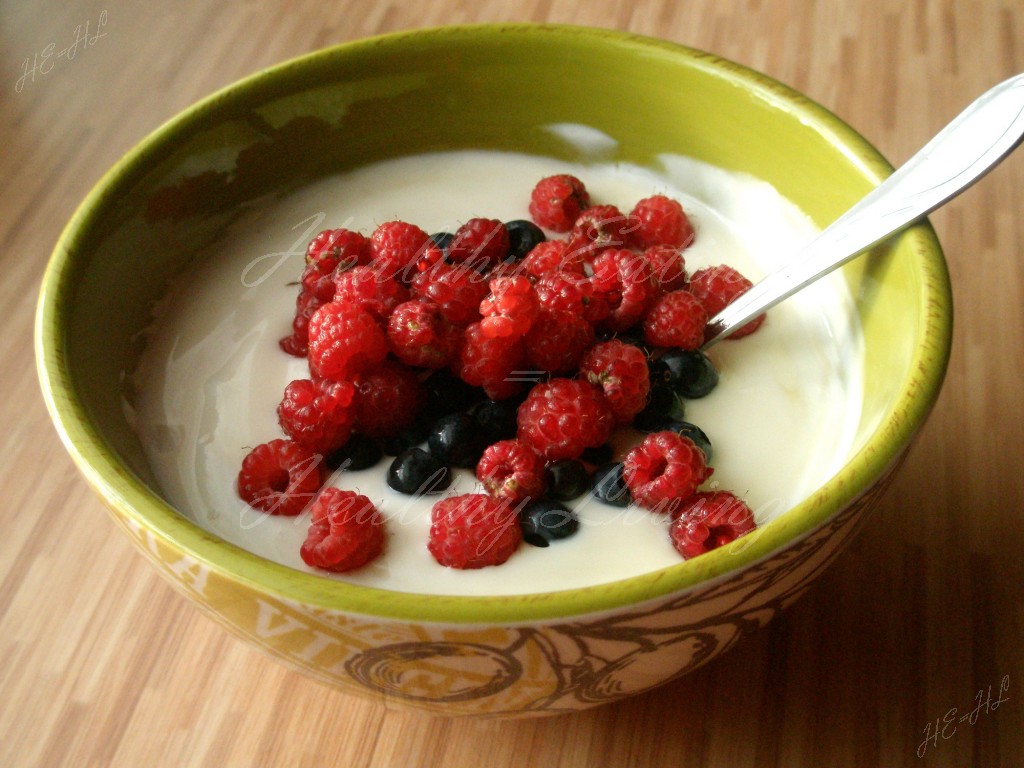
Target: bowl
339,108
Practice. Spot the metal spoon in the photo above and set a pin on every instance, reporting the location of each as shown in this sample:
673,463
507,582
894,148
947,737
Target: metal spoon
960,154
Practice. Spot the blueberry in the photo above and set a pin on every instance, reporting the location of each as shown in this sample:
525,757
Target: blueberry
359,452
523,237
447,393
602,454
692,431
566,479
609,486
544,521
456,439
662,403
691,374
496,419
414,434
416,472
442,240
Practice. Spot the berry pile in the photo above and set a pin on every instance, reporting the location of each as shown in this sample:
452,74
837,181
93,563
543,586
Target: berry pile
496,349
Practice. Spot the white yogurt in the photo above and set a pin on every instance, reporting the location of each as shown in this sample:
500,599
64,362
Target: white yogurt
781,420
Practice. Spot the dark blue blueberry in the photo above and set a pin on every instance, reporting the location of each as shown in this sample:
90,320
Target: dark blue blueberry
456,440
447,393
609,486
414,434
523,237
602,454
496,419
544,521
442,240
359,452
691,374
567,479
416,472
662,403
692,431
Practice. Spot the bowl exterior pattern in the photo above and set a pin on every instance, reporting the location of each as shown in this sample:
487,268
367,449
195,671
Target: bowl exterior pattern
516,671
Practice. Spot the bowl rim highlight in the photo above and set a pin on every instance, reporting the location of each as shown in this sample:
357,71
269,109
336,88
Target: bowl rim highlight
142,507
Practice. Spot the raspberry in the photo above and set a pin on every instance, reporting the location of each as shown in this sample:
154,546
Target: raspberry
598,229
677,319
419,335
345,533
387,400
706,521
337,246
510,308
366,288
297,344
397,246
718,286
660,220
552,256
279,477
668,267
316,414
557,341
563,417
457,290
492,363
664,470
625,279
480,243
473,531
344,340
557,201
510,471
317,284
620,370
568,292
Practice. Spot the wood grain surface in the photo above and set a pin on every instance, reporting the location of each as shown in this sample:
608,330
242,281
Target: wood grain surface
102,664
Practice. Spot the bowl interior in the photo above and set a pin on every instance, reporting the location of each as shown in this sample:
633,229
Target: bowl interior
481,88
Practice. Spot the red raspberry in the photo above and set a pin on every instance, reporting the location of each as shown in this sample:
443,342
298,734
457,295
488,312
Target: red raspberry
718,286
620,370
668,267
388,399
397,247
563,417
297,343
457,290
316,414
557,201
420,336
664,470
557,341
345,533
511,472
568,292
706,521
337,246
480,243
677,319
496,364
472,531
510,308
366,288
552,256
660,220
598,229
626,281
317,284
279,477
344,340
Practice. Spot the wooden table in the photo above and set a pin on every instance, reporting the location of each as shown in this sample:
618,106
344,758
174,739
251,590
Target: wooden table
102,664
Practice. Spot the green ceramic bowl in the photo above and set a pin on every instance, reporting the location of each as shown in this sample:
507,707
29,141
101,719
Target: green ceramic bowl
373,99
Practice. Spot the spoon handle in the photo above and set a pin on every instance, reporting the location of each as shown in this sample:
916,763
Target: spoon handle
960,154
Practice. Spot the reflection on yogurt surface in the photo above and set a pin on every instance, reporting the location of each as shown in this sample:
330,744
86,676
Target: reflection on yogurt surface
781,420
